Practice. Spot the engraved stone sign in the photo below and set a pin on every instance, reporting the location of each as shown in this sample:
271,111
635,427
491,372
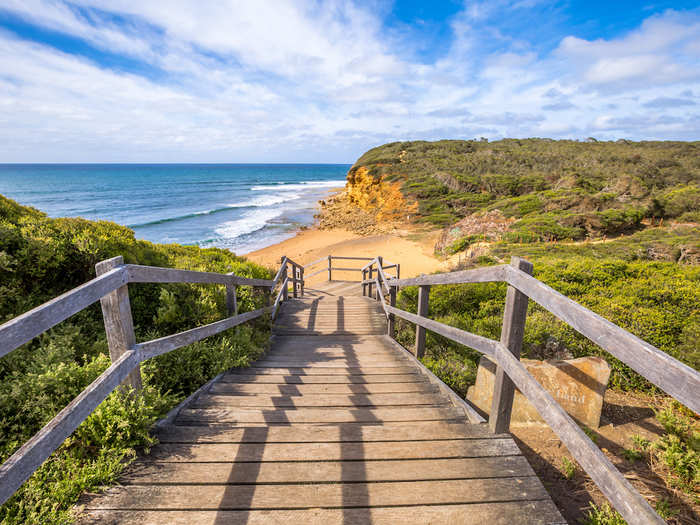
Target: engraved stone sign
578,385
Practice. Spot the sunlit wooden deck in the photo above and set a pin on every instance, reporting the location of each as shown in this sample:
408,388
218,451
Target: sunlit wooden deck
336,424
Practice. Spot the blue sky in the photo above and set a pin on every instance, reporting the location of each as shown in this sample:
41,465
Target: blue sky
313,81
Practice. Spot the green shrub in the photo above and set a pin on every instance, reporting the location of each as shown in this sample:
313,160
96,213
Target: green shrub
41,258
603,515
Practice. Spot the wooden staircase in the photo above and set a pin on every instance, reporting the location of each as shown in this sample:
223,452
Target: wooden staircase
336,424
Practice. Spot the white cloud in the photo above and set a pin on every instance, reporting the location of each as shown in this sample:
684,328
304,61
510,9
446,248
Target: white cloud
322,81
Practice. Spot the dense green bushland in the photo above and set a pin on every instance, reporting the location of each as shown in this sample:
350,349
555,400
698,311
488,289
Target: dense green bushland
657,301
555,189
612,225
42,257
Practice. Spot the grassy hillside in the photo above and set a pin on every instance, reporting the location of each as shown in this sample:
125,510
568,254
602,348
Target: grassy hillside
611,225
553,189
41,258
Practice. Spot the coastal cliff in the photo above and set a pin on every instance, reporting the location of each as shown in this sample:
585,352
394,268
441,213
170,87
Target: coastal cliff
534,190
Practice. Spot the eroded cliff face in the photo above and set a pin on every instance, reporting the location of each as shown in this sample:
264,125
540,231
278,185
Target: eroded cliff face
381,198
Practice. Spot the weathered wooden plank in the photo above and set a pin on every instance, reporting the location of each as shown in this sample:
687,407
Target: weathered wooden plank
482,344
541,512
320,400
633,507
317,271
155,473
317,261
310,433
423,310
27,326
512,332
231,300
15,470
280,272
371,263
316,415
325,362
308,379
169,343
477,275
344,332
368,370
154,274
346,451
343,257
669,374
391,324
326,495
303,390
119,326
471,414
279,298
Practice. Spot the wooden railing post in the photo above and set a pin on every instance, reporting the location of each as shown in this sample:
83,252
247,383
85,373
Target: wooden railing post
231,300
369,285
398,271
512,333
380,265
423,299
301,276
364,286
119,325
285,283
330,258
391,325
295,275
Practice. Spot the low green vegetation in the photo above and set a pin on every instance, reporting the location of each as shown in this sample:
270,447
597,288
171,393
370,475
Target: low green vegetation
603,515
676,454
41,258
555,189
613,226
655,300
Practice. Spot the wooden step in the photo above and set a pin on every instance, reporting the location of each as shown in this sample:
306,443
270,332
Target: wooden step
157,472
303,390
320,400
349,451
335,495
328,370
537,512
292,379
301,433
316,415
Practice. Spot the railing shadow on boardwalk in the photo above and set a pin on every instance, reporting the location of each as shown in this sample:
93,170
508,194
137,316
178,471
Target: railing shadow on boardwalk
242,480
110,288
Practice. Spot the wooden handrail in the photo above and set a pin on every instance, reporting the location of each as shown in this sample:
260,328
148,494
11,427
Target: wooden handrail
476,275
674,377
155,274
22,464
18,467
371,263
36,321
669,374
612,483
677,379
322,259
278,276
279,297
169,343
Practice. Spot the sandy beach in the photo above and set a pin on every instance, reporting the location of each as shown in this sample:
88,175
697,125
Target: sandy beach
413,249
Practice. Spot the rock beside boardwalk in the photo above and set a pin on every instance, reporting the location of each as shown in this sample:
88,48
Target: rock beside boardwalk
578,385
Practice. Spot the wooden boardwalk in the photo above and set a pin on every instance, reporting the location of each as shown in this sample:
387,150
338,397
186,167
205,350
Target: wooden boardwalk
334,425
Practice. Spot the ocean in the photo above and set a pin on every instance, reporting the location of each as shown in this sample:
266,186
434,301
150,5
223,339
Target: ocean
239,207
